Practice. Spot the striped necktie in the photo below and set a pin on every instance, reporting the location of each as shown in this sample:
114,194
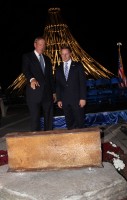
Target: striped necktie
42,63
66,71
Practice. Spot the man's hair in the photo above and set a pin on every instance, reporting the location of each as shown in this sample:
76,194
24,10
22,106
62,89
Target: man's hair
66,47
39,38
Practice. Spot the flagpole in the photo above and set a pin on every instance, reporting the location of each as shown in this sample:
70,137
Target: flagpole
121,74
119,44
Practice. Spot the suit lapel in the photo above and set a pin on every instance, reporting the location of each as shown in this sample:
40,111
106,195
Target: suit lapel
71,69
62,71
36,62
34,58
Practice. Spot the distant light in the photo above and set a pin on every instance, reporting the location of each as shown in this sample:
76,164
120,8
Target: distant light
119,43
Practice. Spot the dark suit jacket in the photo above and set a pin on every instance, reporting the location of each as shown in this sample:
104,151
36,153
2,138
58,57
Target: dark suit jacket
31,69
74,89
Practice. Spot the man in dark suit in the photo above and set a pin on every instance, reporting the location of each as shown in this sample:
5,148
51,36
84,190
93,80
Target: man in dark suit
71,89
40,89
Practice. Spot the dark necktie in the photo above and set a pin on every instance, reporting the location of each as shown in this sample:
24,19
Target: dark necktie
42,63
66,71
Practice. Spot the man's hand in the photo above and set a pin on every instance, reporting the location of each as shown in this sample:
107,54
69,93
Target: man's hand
34,83
54,98
59,103
82,103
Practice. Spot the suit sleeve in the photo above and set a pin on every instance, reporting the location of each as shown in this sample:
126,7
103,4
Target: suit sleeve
82,82
58,89
52,78
26,67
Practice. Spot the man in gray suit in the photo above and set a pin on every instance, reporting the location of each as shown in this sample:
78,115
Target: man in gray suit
71,89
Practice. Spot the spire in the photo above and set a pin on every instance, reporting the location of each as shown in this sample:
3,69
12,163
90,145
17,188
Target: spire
57,33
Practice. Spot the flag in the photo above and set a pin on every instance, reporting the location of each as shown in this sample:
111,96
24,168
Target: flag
121,74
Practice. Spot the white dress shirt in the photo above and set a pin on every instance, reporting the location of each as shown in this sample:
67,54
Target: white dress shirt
69,64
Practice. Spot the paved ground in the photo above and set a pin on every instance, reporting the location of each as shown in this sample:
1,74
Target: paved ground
17,119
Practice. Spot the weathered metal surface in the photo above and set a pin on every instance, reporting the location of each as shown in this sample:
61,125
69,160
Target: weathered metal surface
53,150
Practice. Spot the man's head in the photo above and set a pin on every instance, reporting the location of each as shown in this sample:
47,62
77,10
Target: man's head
65,53
39,44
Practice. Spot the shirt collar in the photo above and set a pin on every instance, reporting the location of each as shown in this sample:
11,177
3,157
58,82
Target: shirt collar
69,62
36,53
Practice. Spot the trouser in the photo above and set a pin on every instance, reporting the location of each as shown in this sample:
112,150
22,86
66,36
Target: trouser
74,116
2,106
37,110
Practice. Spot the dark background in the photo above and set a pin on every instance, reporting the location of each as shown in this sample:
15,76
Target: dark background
96,26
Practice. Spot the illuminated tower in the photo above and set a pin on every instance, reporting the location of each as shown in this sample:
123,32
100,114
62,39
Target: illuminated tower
57,33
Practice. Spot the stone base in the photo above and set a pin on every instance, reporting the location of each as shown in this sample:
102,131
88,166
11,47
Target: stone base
81,184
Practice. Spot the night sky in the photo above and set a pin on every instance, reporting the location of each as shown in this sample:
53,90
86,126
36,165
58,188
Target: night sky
97,27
